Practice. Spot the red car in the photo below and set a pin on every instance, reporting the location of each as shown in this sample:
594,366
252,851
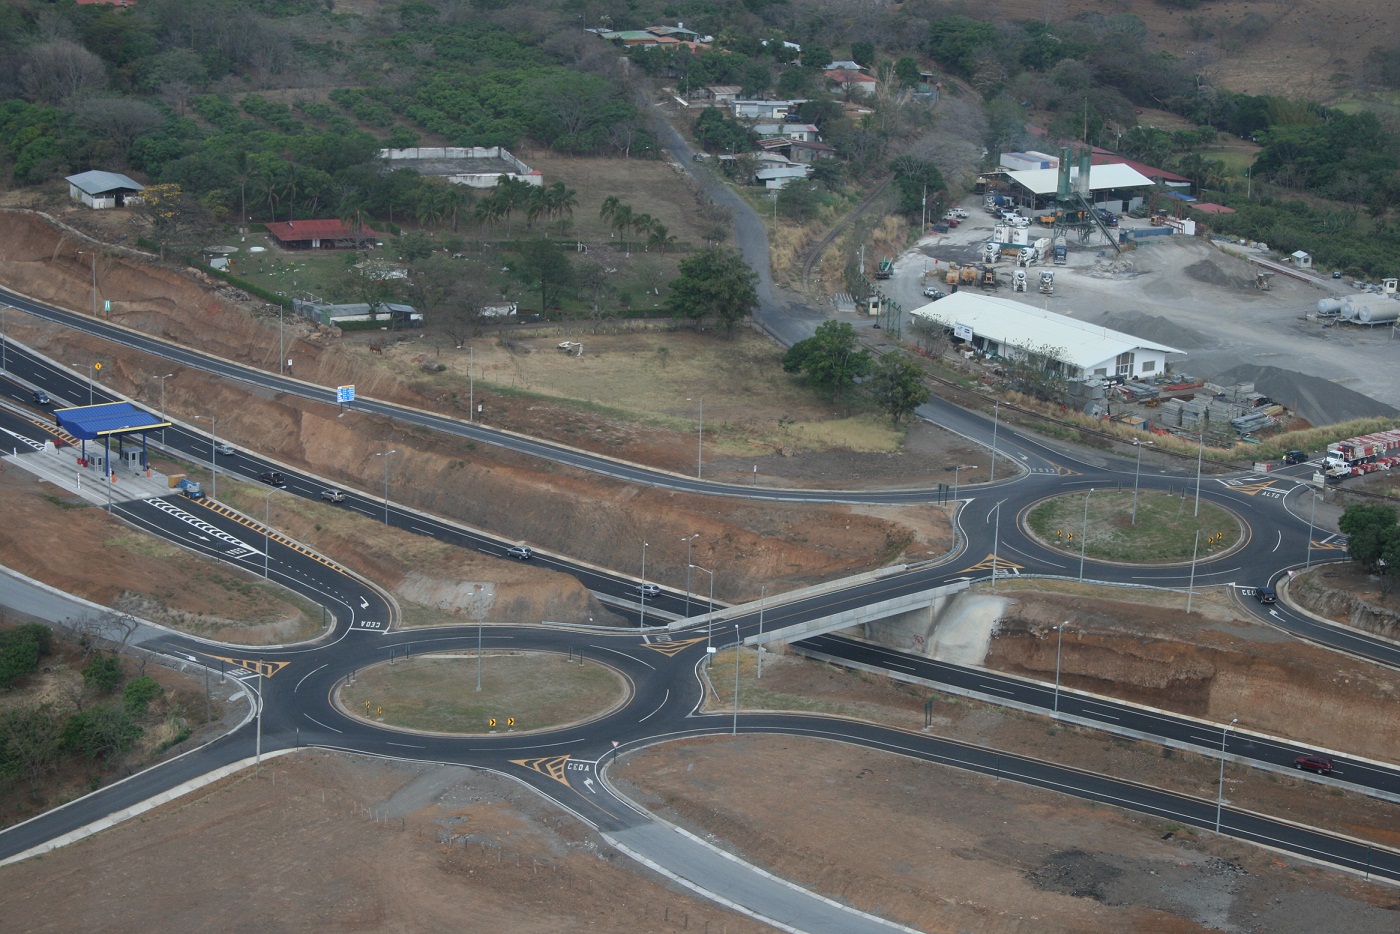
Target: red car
1319,764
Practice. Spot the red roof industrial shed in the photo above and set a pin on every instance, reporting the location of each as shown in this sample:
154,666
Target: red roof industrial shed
317,234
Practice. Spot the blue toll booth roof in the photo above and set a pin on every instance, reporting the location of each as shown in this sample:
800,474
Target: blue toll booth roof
89,422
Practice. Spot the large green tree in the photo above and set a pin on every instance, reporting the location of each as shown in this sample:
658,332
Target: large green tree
542,265
715,283
897,383
1366,528
831,360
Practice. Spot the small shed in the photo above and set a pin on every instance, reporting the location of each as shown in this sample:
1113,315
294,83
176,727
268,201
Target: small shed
1301,259
101,190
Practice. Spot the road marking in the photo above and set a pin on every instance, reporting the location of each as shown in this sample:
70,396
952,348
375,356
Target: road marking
658,709
548,766
889,664
998,690
997,561
427,532
320,724
307,675
407,745
604,648
671,649
264,668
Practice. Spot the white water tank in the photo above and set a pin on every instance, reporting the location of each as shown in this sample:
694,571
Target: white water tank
1380,313
1329,307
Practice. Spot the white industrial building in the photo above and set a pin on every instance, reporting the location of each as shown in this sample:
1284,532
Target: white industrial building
101,190
1118,188
1008,328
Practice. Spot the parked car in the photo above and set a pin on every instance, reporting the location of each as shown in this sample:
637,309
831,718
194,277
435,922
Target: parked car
1295,457
1265,595
224,449
959,213
648,590
273,478
520,552
933,294
40,397
1310,763
333,496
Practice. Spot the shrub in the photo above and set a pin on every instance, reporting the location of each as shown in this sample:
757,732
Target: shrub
138,694
20,651
104,673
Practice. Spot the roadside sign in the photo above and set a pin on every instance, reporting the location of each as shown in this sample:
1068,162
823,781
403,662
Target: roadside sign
344,394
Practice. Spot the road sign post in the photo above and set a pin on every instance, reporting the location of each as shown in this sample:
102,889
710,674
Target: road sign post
344,395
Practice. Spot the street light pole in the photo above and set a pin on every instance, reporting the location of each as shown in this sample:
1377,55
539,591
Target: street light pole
1312,516
762,598
737,644
213,455
700,446
385,455
996,545
92,369
1059,640
1137,472
955,477
1220,792
93,254
258,760
471,383
643,619
1084,535
688,540
709,623
996,421
267,529
162,399
1200,455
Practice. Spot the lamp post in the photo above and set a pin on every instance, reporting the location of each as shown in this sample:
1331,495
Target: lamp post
996,544
4,338
471,383
267,528
93,254
281,343
162,401
1191,587
1312,517
996,421
1084,535
955,477
700,443
1059,640
710,623
385,455
762,598
213,455
1137,472
1200,455
258,760
1220,787
642,623
92,369
735,730
688,540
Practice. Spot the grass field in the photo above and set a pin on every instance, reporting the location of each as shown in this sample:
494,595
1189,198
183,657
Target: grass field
1165,530
438,693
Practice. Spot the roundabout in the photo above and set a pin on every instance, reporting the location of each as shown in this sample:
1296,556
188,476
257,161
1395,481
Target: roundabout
1149,528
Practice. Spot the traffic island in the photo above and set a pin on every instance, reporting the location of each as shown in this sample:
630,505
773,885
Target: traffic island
1163,528
520,691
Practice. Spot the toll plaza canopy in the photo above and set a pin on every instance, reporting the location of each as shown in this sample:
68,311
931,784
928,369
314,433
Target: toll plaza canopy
107,421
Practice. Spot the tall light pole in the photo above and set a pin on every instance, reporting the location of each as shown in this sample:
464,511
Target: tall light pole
1312,516
471,382
5,338
92,369
213,456
93,254
643,619
762,598
1059,640
1084,535
1220,792
1137,472
258,761
955,477
1200,455
162,394
996,421
996,544
700,444
737,644
710,623
688,540
267,528
281,343
385,455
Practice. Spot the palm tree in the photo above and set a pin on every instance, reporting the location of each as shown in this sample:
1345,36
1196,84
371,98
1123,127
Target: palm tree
455,198
610,205
642,224
660,237
487,210
622,221
511,193
429,209
562,203
538,206
354,214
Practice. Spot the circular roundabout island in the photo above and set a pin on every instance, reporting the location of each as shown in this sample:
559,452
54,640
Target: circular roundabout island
1153,527
520,691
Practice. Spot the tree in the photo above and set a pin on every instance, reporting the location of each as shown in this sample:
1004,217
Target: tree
53,72
541,264
906,70
1367,529
831,360
101,733
103,673
119,121
30,741
715,283
863,53
897,383
20,651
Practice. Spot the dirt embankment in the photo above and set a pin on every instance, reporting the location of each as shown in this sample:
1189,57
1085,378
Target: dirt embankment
1214,668
1345,594
592,518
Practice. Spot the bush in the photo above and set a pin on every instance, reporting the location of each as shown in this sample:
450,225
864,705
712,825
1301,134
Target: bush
138,694
104,673
101,733
20,651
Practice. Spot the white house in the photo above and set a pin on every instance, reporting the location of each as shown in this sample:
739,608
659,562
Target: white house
1301,260
778,176
1011,329
802,132
765,110
101,190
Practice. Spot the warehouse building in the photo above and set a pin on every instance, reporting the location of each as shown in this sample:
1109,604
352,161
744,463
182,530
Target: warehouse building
1077,350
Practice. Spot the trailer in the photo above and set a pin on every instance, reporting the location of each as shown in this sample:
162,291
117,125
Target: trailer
1362,455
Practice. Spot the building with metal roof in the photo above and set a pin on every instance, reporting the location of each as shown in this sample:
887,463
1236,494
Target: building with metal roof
318,235
1117,187
99,190
105,422
1006,328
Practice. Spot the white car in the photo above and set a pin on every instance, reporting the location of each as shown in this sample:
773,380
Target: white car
959,213
225,450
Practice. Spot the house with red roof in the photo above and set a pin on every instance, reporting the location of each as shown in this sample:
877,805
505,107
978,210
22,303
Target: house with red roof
318,235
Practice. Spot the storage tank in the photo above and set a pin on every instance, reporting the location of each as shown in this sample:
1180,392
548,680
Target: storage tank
1329,307
1351,309
1379,313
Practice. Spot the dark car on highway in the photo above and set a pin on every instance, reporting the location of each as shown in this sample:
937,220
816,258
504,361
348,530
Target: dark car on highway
1295,457
272,478
1265,595
1319,764
40,397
